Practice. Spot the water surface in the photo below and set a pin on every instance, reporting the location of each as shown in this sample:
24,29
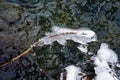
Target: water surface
22,22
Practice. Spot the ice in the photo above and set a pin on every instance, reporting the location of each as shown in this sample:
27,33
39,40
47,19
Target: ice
105,76
102,60
101,64
82,36
104,56
83,48
107,54
83,32
73,73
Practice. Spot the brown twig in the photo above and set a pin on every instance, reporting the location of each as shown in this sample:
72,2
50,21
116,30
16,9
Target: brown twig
17,57
34,45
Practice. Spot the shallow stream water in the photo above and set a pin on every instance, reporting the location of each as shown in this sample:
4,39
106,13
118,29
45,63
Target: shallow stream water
22,22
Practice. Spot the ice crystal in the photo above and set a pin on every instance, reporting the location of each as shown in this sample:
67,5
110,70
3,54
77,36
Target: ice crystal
82,36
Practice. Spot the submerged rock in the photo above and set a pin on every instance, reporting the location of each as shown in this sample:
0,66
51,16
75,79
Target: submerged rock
8,12
10,15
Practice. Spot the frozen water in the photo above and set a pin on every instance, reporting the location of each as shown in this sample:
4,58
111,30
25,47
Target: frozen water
102,69
73,73
82,36
107,54
83,48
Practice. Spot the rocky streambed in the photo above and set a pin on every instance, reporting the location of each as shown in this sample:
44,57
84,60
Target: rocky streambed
22,22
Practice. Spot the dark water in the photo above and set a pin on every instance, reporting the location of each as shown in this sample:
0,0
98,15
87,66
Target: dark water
22,22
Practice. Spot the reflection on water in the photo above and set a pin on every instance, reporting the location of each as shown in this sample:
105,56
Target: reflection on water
22,22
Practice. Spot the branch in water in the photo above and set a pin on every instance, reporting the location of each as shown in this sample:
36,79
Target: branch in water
82,36
17,57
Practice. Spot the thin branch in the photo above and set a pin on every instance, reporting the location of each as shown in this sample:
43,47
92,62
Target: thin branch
60,35
17,57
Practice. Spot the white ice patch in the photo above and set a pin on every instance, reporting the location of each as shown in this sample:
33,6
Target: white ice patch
73,73
83,48
107,54
82,36
104,56
83,32
101,64
90,53
105,76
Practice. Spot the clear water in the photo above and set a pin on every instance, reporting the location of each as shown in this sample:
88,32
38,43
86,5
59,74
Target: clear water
24,21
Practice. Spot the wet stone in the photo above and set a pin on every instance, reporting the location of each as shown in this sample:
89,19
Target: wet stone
12,23
3,25
8,12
